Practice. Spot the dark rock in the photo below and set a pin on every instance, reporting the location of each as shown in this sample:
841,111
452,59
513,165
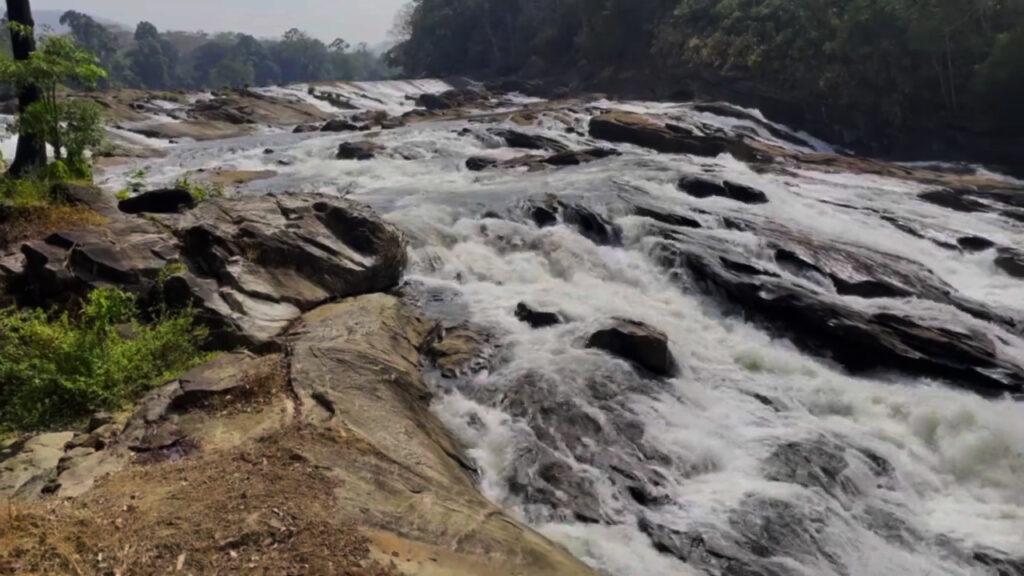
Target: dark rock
455,98
306,128
99,420
459,350
639,343
641,131
517,139
664,217
163,201
268,151
704,188
812,464
1011,262
577,157
860,340
479,163
340,125
591,225
537,318
544,216
364,150
975,243
954,200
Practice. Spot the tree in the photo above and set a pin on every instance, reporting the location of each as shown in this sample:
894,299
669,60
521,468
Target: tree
70,126
31,151
92,36
153,60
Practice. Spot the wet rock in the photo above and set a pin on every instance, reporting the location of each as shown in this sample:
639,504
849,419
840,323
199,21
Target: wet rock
637,342
306,128
861,340
812,464
517,139
591,225
954,200
553,482
455,98
768,528
479,163
705,188
537,318
356,367
364,150
642,131
666,217
162,201
577,157
340,125
975,243
1011,261
459,350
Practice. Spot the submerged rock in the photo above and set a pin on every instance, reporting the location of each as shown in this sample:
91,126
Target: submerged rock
705,188
517,139
1011,261
639,343
364,150
537,318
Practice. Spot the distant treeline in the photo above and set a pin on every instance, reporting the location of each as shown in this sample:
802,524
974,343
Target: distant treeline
166,60
892,62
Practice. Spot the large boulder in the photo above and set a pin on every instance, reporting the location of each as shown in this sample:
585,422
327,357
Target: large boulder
642,131
248,267
637,342
268,259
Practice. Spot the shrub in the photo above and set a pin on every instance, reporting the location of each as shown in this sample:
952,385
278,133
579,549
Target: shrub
56,370
200,191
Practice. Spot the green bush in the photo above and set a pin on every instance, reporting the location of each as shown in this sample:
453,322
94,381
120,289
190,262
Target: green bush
200,191
58,370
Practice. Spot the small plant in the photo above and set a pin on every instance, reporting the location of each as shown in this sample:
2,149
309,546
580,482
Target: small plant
170,271
136,184
57,370
200,192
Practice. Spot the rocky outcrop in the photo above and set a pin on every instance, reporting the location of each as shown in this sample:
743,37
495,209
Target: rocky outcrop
340,125
820,294
664,137
638,343
455,98
247,266
329,454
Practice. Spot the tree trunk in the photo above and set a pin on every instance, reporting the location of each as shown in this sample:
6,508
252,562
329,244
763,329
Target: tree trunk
31,153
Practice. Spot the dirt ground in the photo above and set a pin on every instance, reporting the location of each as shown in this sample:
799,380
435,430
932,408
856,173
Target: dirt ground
264,510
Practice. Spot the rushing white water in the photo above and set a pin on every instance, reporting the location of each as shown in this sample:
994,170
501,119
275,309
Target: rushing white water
952,481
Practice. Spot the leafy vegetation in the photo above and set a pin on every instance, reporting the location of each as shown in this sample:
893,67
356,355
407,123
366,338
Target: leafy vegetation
71,127
891,62
58,369
200,191
158,60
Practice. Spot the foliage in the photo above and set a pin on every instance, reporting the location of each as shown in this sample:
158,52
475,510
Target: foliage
888,62
58,369
153,59
200,191
70,127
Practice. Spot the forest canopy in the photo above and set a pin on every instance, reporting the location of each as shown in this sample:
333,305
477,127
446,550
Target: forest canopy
893,61
158,60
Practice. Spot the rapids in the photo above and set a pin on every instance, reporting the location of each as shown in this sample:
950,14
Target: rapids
758,458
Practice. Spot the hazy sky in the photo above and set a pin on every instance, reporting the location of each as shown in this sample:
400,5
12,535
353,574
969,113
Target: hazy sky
353,20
